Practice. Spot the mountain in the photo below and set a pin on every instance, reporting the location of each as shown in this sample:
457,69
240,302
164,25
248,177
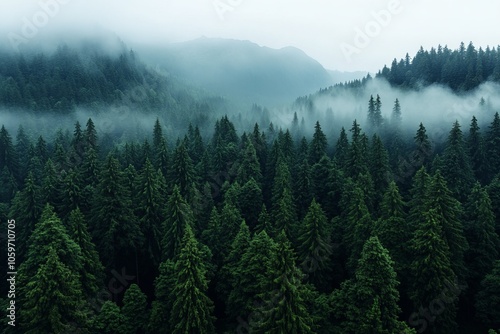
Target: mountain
241,70
341,77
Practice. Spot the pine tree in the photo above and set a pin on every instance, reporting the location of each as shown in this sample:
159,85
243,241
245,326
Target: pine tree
396,114
494,193
250,166
92,270
250,202
283,309
90,136
134,311
379,170
150,210
342,150
357,159
314,247
480,231
318,145
371,111
419,198
449,212
114,226
27,208
432,271
53,298
182,173
250,276
475,145
456,165
161,307
371,298
302,188
109,320
192,309
423,148
493,147
488,298
178,216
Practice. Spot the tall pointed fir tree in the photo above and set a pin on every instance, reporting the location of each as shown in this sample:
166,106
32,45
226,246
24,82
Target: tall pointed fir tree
250,165
493,147
250,202
480,232
357,159
456,165
178,215
421,156
433,274
109,320
114,226
371,297
161,307
476,151
182,172
192,309
314,247
342,150
318,145
450,215
92,270
134,311
487,300
52,298
150,210
283,307
379,170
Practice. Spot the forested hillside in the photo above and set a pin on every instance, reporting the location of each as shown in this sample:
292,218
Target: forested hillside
256,231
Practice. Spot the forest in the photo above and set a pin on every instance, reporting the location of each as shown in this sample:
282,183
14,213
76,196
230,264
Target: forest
207,223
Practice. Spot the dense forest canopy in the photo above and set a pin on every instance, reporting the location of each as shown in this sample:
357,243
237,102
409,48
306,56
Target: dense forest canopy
259,227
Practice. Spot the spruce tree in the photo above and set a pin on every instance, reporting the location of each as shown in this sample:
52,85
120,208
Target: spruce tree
134,311
475,146
456,165
250,166
109,320
283,308
432,271
161,307
250,202
182,172
318,145
192,309
493,147
488,298
423,148
53,299
178,216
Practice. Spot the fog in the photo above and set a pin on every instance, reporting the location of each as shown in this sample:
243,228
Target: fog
437,107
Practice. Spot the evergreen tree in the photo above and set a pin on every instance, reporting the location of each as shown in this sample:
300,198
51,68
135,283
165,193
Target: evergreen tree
342,150
302,188
109,320
90,136
449,212
250,166
314,247
178,216
53,298
488,298
92,270
371,111
493,147
423,149
379,170
480,231
475,145
161,307
318,145
114,226
150,211
494,193
357,159
283,309
182,173
432,271
192,309
134,311
250,202
456,165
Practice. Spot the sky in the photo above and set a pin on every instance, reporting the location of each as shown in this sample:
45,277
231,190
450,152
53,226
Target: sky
345,35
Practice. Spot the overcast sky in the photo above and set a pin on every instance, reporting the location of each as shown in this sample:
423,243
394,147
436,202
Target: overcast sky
344,35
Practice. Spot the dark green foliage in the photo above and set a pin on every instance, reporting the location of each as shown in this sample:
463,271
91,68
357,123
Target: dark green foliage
192,309
178,215
182,173
456,165
53,299
432,272
250,166
475,144
283,309
250,202
314,247
488,298
92,270
134,311
109,320
318,145
161,307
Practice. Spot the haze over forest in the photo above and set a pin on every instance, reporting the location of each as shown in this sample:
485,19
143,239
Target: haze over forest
249,167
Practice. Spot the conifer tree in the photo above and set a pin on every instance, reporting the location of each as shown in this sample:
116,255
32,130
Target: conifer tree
192,309
379,170
182,173
314,247
357,159
449,212
475,145
92,270
493,147
487,300
134,311
53,298
318,145
109,320
456,165
161,307
423,148
250,166
342,150
250,202
283,309
432,271
178,216
302,188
